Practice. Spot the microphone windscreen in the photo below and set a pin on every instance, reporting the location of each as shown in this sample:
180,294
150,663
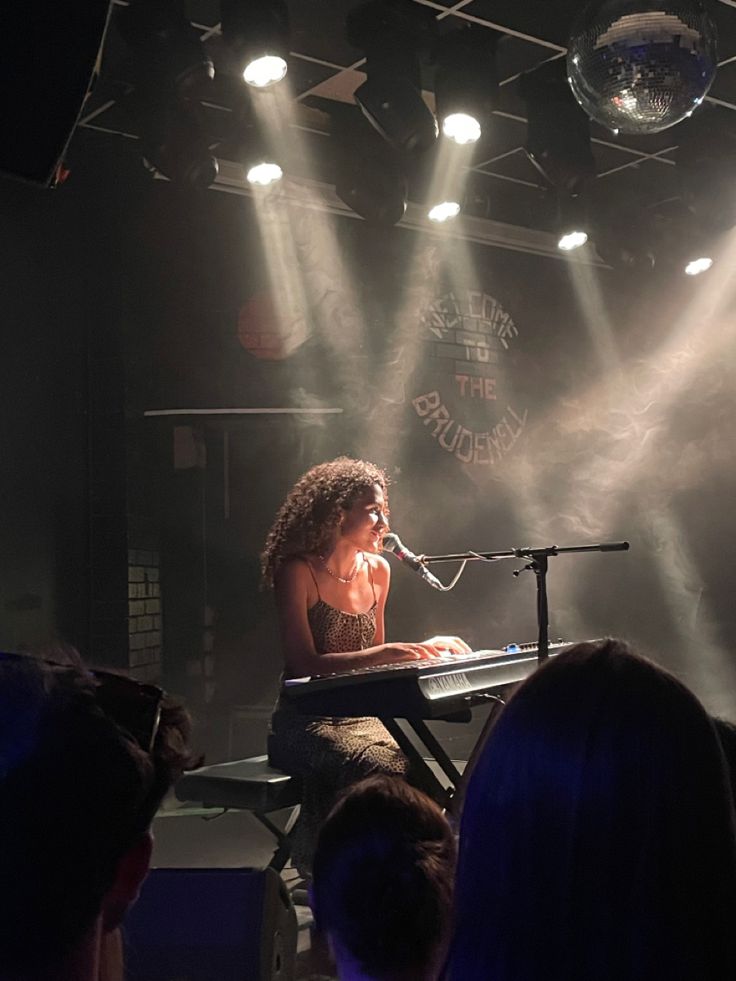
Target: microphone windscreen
391,542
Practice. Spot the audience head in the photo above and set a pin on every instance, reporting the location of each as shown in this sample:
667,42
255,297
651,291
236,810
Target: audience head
597,838
382,885
85,760
727,735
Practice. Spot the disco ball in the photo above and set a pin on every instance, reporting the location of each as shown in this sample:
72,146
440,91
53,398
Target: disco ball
640,66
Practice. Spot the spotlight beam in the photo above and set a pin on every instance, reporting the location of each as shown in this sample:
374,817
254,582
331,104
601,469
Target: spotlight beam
692,340
637,438
303,253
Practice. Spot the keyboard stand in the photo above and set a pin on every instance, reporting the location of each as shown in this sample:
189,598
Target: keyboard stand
409,695
419,745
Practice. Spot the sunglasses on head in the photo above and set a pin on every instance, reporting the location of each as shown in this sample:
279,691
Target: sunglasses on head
133,706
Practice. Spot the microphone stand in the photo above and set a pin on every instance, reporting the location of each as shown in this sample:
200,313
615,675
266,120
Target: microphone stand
538,564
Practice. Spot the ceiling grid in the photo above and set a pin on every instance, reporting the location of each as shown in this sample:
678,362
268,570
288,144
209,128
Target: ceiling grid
325,70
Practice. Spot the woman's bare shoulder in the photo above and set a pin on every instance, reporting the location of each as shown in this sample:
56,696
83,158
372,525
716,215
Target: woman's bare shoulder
379,566
293,571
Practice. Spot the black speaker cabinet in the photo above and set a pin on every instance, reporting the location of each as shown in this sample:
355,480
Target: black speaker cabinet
50,51
211,925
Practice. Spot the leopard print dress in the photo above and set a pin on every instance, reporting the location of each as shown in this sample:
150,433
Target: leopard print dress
329,753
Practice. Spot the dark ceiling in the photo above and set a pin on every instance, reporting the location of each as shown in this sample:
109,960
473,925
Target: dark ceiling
324,71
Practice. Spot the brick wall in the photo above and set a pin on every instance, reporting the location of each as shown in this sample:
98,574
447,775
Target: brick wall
144,614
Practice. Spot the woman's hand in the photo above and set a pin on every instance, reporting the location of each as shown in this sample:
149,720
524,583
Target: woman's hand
447,645
407,652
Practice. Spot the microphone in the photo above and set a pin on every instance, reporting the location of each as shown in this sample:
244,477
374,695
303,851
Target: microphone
393,543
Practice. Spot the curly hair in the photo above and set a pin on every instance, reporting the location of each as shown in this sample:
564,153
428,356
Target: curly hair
306,521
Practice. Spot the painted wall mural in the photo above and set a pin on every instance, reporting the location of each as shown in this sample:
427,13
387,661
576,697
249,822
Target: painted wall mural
467,334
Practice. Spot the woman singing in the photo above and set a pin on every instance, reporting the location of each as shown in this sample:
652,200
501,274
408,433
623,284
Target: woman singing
331,584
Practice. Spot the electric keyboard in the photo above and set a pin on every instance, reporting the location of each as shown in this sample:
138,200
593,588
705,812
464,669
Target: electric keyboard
431,689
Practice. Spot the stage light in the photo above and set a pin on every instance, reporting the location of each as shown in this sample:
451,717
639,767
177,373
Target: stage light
257,145
174,71
558,131
376,192
257,34
623,228
697,266
684,243
264,174
369,176
397,111
572,239
173,143
264,71
444,211
567,216
465,81
390,35
168,48
461,127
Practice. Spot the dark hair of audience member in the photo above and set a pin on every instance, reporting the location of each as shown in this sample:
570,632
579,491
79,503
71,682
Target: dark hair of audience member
597,839
76,792
727,736
382,886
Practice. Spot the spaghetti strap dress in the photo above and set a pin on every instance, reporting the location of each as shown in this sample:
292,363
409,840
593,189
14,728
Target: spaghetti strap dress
330,753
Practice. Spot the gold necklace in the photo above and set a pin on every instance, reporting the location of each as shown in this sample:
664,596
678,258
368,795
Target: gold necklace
335,575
